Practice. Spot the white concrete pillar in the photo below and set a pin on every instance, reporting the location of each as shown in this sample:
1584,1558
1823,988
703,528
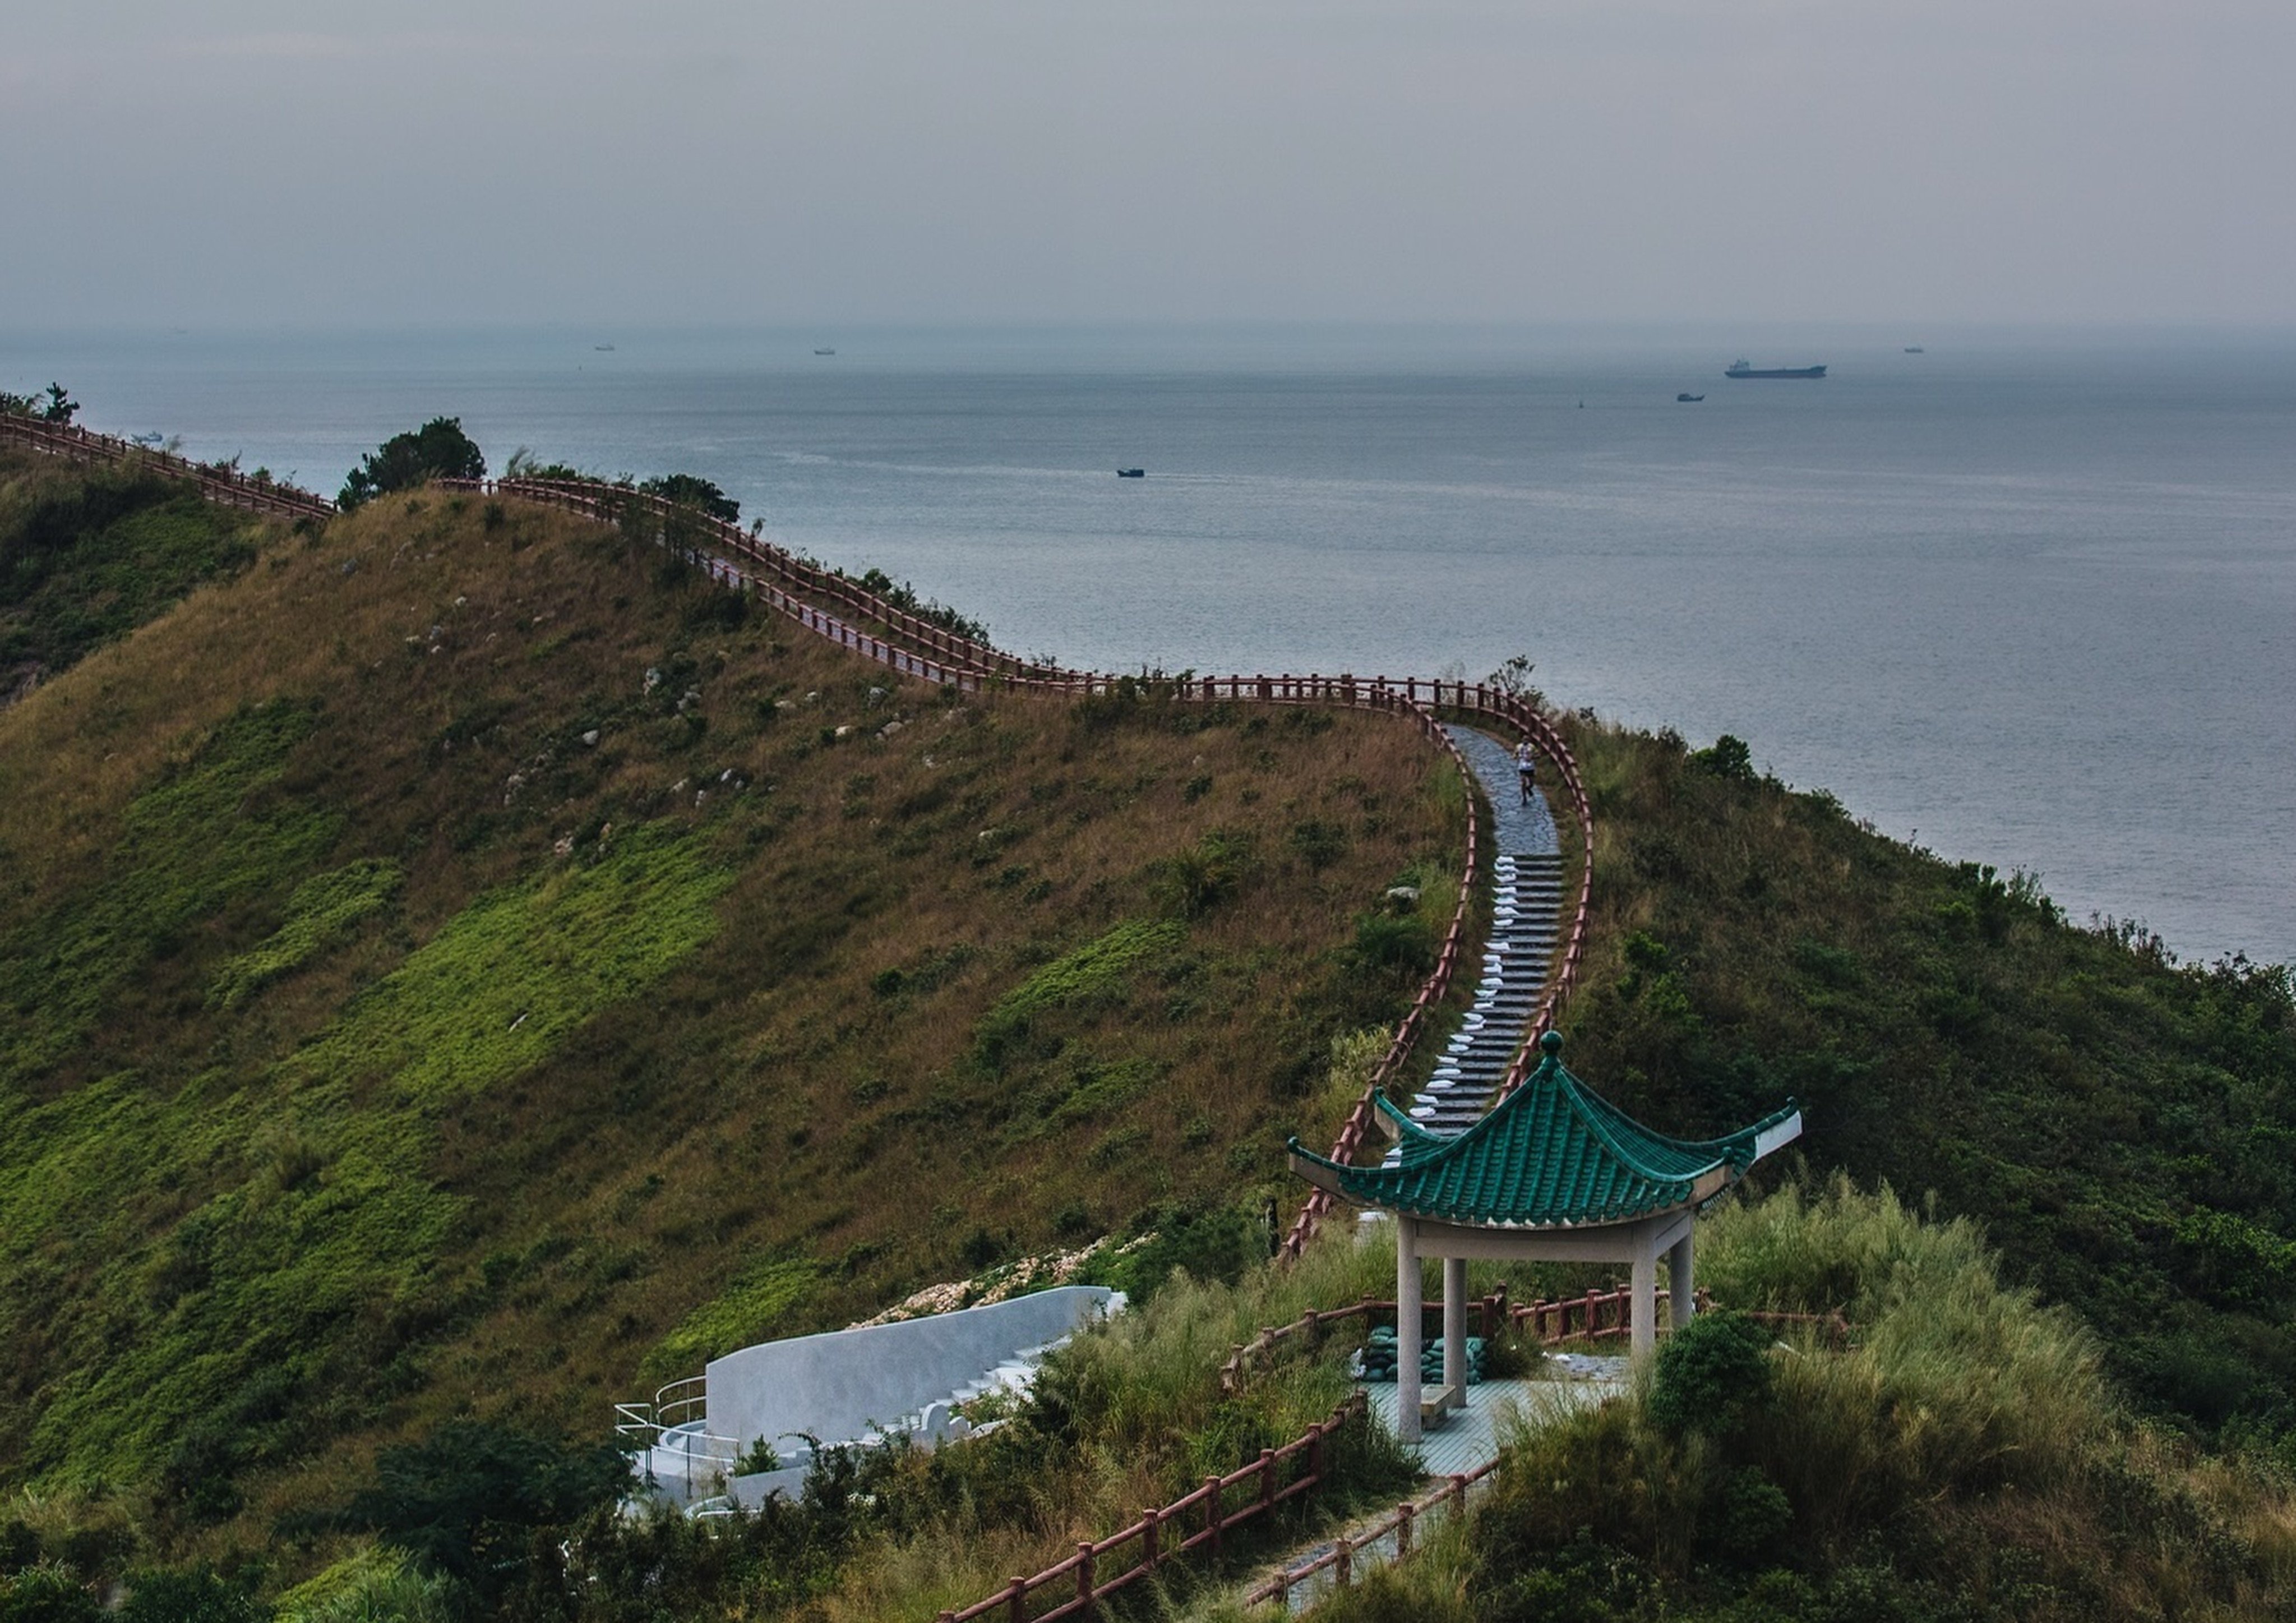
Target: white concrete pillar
1455,1325
1407,1329
1643,1301
1682,1286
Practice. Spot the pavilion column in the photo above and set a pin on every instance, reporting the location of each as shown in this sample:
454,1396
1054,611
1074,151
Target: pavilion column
1407,1329
1455,1326
1682,1287
1643,1303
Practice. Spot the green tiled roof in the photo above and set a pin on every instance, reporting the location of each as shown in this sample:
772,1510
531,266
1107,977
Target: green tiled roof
1552,1152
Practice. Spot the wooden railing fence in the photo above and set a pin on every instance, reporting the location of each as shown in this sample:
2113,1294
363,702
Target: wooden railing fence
1399,1524
1196,1520
916,645
221,484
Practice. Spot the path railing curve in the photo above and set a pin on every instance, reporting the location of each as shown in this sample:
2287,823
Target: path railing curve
913,645
220,482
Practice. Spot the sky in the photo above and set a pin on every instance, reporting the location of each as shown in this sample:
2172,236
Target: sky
236,162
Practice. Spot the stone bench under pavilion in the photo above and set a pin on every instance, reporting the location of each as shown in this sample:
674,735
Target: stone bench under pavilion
1553,1173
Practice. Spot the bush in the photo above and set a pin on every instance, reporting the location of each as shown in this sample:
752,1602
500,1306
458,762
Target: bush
197,1596
464,1501
46,1595
1710,1374
438,449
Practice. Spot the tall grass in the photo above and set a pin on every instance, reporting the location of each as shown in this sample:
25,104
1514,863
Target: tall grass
1967,1443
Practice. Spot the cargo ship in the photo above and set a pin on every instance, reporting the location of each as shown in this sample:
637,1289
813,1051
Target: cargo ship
1741,368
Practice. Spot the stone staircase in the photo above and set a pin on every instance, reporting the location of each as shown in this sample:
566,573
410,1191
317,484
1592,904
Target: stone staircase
1526,920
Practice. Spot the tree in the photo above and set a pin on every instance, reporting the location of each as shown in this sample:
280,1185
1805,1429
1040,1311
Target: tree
60,407
466,1500
438,449
687,490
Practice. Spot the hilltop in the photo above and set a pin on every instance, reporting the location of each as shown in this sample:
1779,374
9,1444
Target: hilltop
461,964
465,963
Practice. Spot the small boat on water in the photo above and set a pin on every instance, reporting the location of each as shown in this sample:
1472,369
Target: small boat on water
824,351
1914,349
603,349
1743,368
1688,400
1132,473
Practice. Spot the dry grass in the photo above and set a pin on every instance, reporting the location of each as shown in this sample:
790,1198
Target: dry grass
776,1094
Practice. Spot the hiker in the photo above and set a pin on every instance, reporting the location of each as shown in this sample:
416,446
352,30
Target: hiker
1526,767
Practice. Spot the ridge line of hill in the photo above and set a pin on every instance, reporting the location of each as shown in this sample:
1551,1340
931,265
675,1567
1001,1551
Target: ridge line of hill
919,648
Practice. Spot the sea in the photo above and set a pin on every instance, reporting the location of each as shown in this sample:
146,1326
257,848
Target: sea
2025,597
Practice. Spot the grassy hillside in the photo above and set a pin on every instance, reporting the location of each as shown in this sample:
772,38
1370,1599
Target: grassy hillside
85,556
460,965
1965,1460
2121,1124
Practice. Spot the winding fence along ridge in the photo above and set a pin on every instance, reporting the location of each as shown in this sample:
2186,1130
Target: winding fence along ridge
220,482
918,647
912,645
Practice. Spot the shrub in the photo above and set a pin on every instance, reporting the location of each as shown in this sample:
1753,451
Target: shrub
464,1501
438,449
1710,1374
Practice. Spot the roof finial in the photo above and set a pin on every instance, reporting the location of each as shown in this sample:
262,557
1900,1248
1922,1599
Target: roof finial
1551,1044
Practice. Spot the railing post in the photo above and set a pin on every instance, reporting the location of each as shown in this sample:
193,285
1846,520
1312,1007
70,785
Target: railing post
1403,1515
1458,1495
1346,1568
1083,1573
1148,1552
1016,1605
1212,1510
1266,1477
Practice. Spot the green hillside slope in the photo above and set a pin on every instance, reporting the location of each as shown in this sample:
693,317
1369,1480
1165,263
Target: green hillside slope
2120,1123
87,556
461,965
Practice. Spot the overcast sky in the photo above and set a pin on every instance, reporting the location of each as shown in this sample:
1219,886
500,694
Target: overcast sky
239,162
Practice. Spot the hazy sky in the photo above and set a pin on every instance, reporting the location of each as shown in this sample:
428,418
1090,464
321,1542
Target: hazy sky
950,161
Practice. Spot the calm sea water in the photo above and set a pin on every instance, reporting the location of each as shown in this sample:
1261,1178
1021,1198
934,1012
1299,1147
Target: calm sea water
2030,600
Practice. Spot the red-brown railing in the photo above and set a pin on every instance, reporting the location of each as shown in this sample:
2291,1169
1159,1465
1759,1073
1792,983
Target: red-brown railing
1196,1520
1491,1314
919,646
218,482
1340,1558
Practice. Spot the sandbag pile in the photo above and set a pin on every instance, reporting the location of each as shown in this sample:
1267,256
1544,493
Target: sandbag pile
1377,1361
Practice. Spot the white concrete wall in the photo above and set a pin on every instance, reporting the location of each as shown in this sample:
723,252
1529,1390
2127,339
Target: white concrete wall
840,1385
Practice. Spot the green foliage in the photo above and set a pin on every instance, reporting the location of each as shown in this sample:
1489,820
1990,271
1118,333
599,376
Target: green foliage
2120,1123
1100,968
1727,757
688,490
373,1587
1195,882
744,1314
510,977
46,1595
323,910
904,596
466,1500
1965,1447
205,838
196,1596
438,449
84,560
1712,1375
1319,842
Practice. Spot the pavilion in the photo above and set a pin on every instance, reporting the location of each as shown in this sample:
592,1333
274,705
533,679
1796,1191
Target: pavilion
1554,1173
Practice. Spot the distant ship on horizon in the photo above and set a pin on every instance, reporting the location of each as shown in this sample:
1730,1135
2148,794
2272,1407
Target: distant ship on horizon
1914,349
1742,367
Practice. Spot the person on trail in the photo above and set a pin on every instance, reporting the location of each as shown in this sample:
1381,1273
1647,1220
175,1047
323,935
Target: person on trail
1526,767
